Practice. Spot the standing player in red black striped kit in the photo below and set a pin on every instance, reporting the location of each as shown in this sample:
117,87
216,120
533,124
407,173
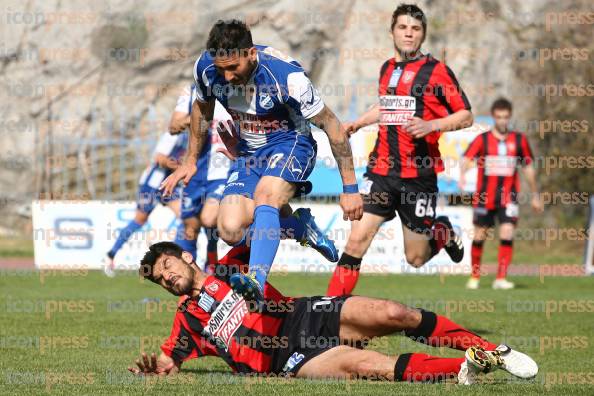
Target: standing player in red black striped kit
499,152
419,99
307,337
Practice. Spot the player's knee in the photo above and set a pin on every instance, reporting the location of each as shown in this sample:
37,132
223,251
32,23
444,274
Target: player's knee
230,230
267,198
208,220
141,217
415,259
401,315
395,312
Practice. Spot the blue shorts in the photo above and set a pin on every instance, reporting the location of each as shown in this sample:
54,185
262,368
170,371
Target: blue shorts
292,161
197,192
149,197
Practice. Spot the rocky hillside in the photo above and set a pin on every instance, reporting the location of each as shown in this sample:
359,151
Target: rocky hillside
77,69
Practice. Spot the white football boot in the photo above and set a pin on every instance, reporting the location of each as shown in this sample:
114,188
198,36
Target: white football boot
108,266
478,360
503,284
473,283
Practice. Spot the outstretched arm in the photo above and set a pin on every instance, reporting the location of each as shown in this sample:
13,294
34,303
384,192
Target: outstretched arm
164,365
167,162
419,128
202,113
179,122
370,117
350,201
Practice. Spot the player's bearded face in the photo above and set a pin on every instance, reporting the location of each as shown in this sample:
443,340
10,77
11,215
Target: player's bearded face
237,68
408,35
177,274
501,118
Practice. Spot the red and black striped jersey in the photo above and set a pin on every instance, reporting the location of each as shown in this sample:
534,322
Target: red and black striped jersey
424,88
217,323
498,162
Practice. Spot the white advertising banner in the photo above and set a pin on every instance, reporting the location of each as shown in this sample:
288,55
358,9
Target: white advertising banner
77,234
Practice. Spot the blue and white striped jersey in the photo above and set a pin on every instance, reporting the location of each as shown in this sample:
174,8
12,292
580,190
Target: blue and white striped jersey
275,105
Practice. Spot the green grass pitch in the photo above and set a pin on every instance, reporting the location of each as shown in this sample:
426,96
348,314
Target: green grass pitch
77,333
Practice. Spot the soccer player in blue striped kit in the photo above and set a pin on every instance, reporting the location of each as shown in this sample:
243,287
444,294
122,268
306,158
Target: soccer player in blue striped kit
272,102
166,158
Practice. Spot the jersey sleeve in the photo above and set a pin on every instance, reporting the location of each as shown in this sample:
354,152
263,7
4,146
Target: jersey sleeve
203,88
302,96
184,101
185,344
526,156
475,148
449,91
166,143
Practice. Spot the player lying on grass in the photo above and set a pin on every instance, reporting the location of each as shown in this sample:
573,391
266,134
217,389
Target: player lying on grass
306,337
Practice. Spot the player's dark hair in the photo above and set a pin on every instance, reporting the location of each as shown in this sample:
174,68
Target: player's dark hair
152,255
412,10
501,104
227,38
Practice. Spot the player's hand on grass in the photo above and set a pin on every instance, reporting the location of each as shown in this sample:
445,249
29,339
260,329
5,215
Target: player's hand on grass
352,206
419,128
184,172
228,132
536,204
152,366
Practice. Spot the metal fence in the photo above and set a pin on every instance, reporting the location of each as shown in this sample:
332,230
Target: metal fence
103,160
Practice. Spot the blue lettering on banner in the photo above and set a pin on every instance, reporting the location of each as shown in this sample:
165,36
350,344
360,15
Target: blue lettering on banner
68,237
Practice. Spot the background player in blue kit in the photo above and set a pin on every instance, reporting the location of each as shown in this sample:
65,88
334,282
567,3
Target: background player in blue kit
201,196
167,155
272,102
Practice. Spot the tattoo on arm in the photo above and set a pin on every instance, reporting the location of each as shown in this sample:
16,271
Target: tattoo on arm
339,143
201,113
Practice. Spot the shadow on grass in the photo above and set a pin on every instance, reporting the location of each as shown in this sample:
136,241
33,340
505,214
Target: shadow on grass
203,371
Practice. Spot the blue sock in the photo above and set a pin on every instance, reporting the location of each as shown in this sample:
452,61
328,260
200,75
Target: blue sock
292,228
123,237
189,245
265,241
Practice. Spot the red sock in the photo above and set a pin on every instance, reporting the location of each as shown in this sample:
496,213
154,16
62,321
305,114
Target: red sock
211,259
345,276
437,330
505,255
418,367
476,253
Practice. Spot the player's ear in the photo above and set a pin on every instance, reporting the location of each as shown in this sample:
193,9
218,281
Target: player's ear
187,257
253,54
